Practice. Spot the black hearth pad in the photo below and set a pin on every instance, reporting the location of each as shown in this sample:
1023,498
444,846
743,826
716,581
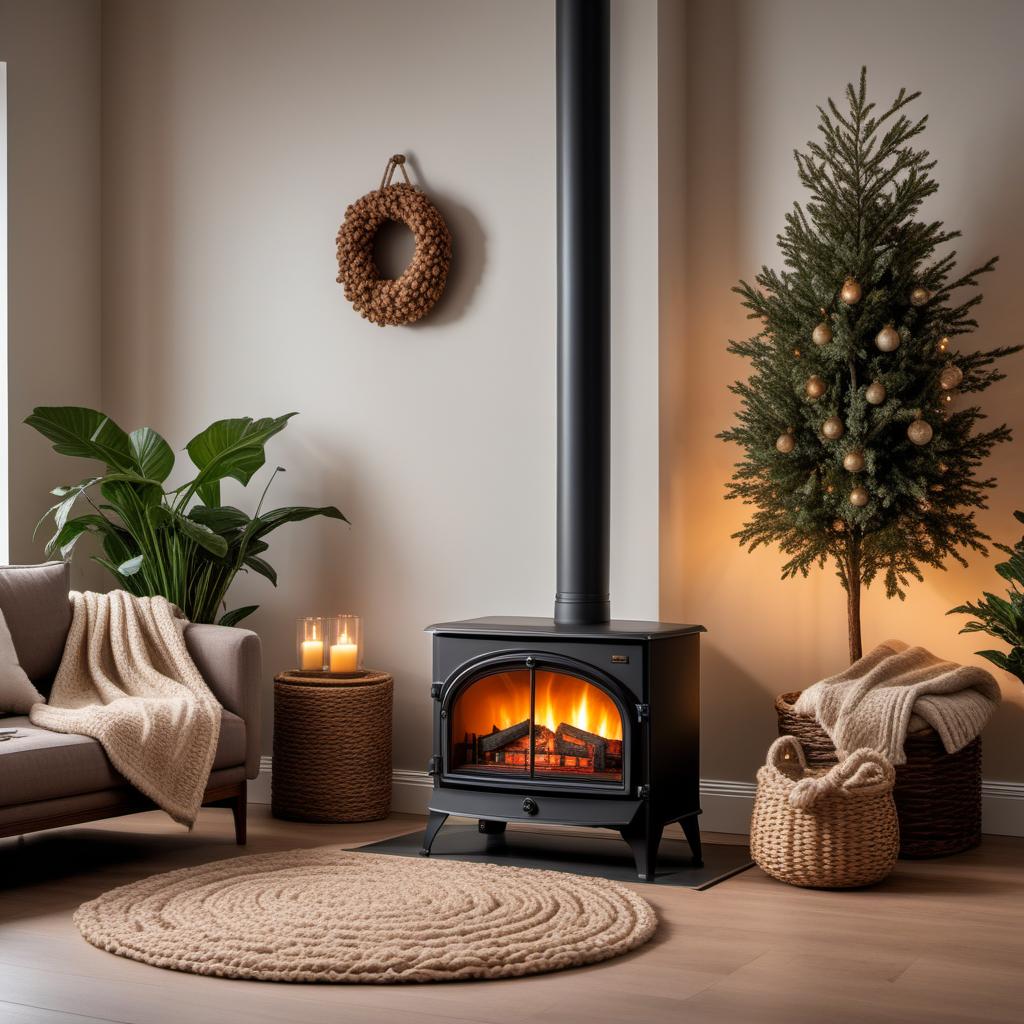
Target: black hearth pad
593,853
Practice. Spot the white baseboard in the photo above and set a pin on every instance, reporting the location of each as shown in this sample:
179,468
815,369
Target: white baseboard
1002,808
727,804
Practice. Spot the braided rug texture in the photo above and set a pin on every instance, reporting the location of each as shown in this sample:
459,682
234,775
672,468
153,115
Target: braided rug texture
328,915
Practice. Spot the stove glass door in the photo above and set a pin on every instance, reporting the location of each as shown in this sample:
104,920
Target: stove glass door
537,723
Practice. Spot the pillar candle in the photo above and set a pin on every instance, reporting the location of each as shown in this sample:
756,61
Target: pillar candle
312,654
344,656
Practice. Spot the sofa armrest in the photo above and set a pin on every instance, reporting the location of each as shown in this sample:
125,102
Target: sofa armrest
229,659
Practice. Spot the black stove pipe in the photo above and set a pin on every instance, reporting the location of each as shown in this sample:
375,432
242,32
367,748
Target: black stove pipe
584,342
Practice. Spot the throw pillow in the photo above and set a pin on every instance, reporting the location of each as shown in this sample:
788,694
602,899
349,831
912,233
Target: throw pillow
17,694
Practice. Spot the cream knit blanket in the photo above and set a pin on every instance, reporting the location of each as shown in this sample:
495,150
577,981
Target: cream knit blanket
127,680
895,689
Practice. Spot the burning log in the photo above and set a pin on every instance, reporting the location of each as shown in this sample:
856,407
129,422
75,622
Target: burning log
579,743
567,748
495,741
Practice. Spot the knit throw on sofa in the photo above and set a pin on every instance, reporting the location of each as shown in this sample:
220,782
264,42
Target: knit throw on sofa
895,689
127,680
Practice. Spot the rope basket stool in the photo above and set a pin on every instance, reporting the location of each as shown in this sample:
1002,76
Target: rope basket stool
938,795
332,747
833,829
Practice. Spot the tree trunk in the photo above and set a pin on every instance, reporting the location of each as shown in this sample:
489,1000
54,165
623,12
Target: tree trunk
853,594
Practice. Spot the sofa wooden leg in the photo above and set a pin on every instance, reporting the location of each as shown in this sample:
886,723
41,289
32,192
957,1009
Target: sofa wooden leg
239,808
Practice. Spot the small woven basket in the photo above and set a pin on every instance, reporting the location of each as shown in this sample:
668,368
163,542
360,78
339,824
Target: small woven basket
332,747
938,795
833,829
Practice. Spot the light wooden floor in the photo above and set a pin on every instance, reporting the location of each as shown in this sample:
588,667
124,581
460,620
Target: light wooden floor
942,941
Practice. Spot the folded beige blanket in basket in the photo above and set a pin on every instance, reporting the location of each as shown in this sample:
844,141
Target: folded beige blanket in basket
895,689
128,681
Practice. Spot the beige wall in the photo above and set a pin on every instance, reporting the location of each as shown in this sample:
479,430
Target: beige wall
754,72
235,133
52,51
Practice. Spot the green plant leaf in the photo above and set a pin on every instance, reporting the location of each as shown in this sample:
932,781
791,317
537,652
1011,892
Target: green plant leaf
85,434
66,489
221,519
153,456
230,448
269,521
203,536
65,539
131,566
261,566
233,617
119,545
159,516
162,517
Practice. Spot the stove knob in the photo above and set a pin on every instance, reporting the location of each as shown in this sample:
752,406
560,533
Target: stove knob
530,806
531,661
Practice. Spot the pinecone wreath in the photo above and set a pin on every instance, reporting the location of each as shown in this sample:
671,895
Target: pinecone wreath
411,296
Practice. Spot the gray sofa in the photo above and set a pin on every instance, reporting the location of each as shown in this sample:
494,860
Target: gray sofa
49,779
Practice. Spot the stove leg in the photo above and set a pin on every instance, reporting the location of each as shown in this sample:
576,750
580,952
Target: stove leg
489,827
644,841
434,822
691,829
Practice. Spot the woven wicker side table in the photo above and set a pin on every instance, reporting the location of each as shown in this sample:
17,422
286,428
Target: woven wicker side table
332,747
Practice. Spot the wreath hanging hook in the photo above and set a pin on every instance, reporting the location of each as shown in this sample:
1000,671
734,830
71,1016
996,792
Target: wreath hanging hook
395,162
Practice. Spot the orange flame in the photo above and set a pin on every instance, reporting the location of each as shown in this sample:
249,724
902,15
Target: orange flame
502,700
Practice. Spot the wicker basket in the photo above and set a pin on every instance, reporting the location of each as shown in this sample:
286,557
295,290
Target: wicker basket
938,795
833,829
332,747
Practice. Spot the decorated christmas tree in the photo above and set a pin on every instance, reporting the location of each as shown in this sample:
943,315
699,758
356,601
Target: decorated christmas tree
861,443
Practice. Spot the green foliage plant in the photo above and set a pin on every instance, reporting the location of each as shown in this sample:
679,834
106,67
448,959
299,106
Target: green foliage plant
181,543
1002,617
913,504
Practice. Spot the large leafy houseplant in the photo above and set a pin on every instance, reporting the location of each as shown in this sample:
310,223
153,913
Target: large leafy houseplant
1002,617
180,543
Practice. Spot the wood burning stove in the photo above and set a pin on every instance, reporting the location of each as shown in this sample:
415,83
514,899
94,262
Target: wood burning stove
573,720
593,725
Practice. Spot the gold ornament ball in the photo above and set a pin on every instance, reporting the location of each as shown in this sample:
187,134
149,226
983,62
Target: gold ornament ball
785,443
887,339
850,293
853,461
919,296
816,387
822,334
875,393
920,431
859,497
833,428
950,378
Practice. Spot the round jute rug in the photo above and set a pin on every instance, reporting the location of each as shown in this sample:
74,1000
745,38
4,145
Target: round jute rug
334,916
